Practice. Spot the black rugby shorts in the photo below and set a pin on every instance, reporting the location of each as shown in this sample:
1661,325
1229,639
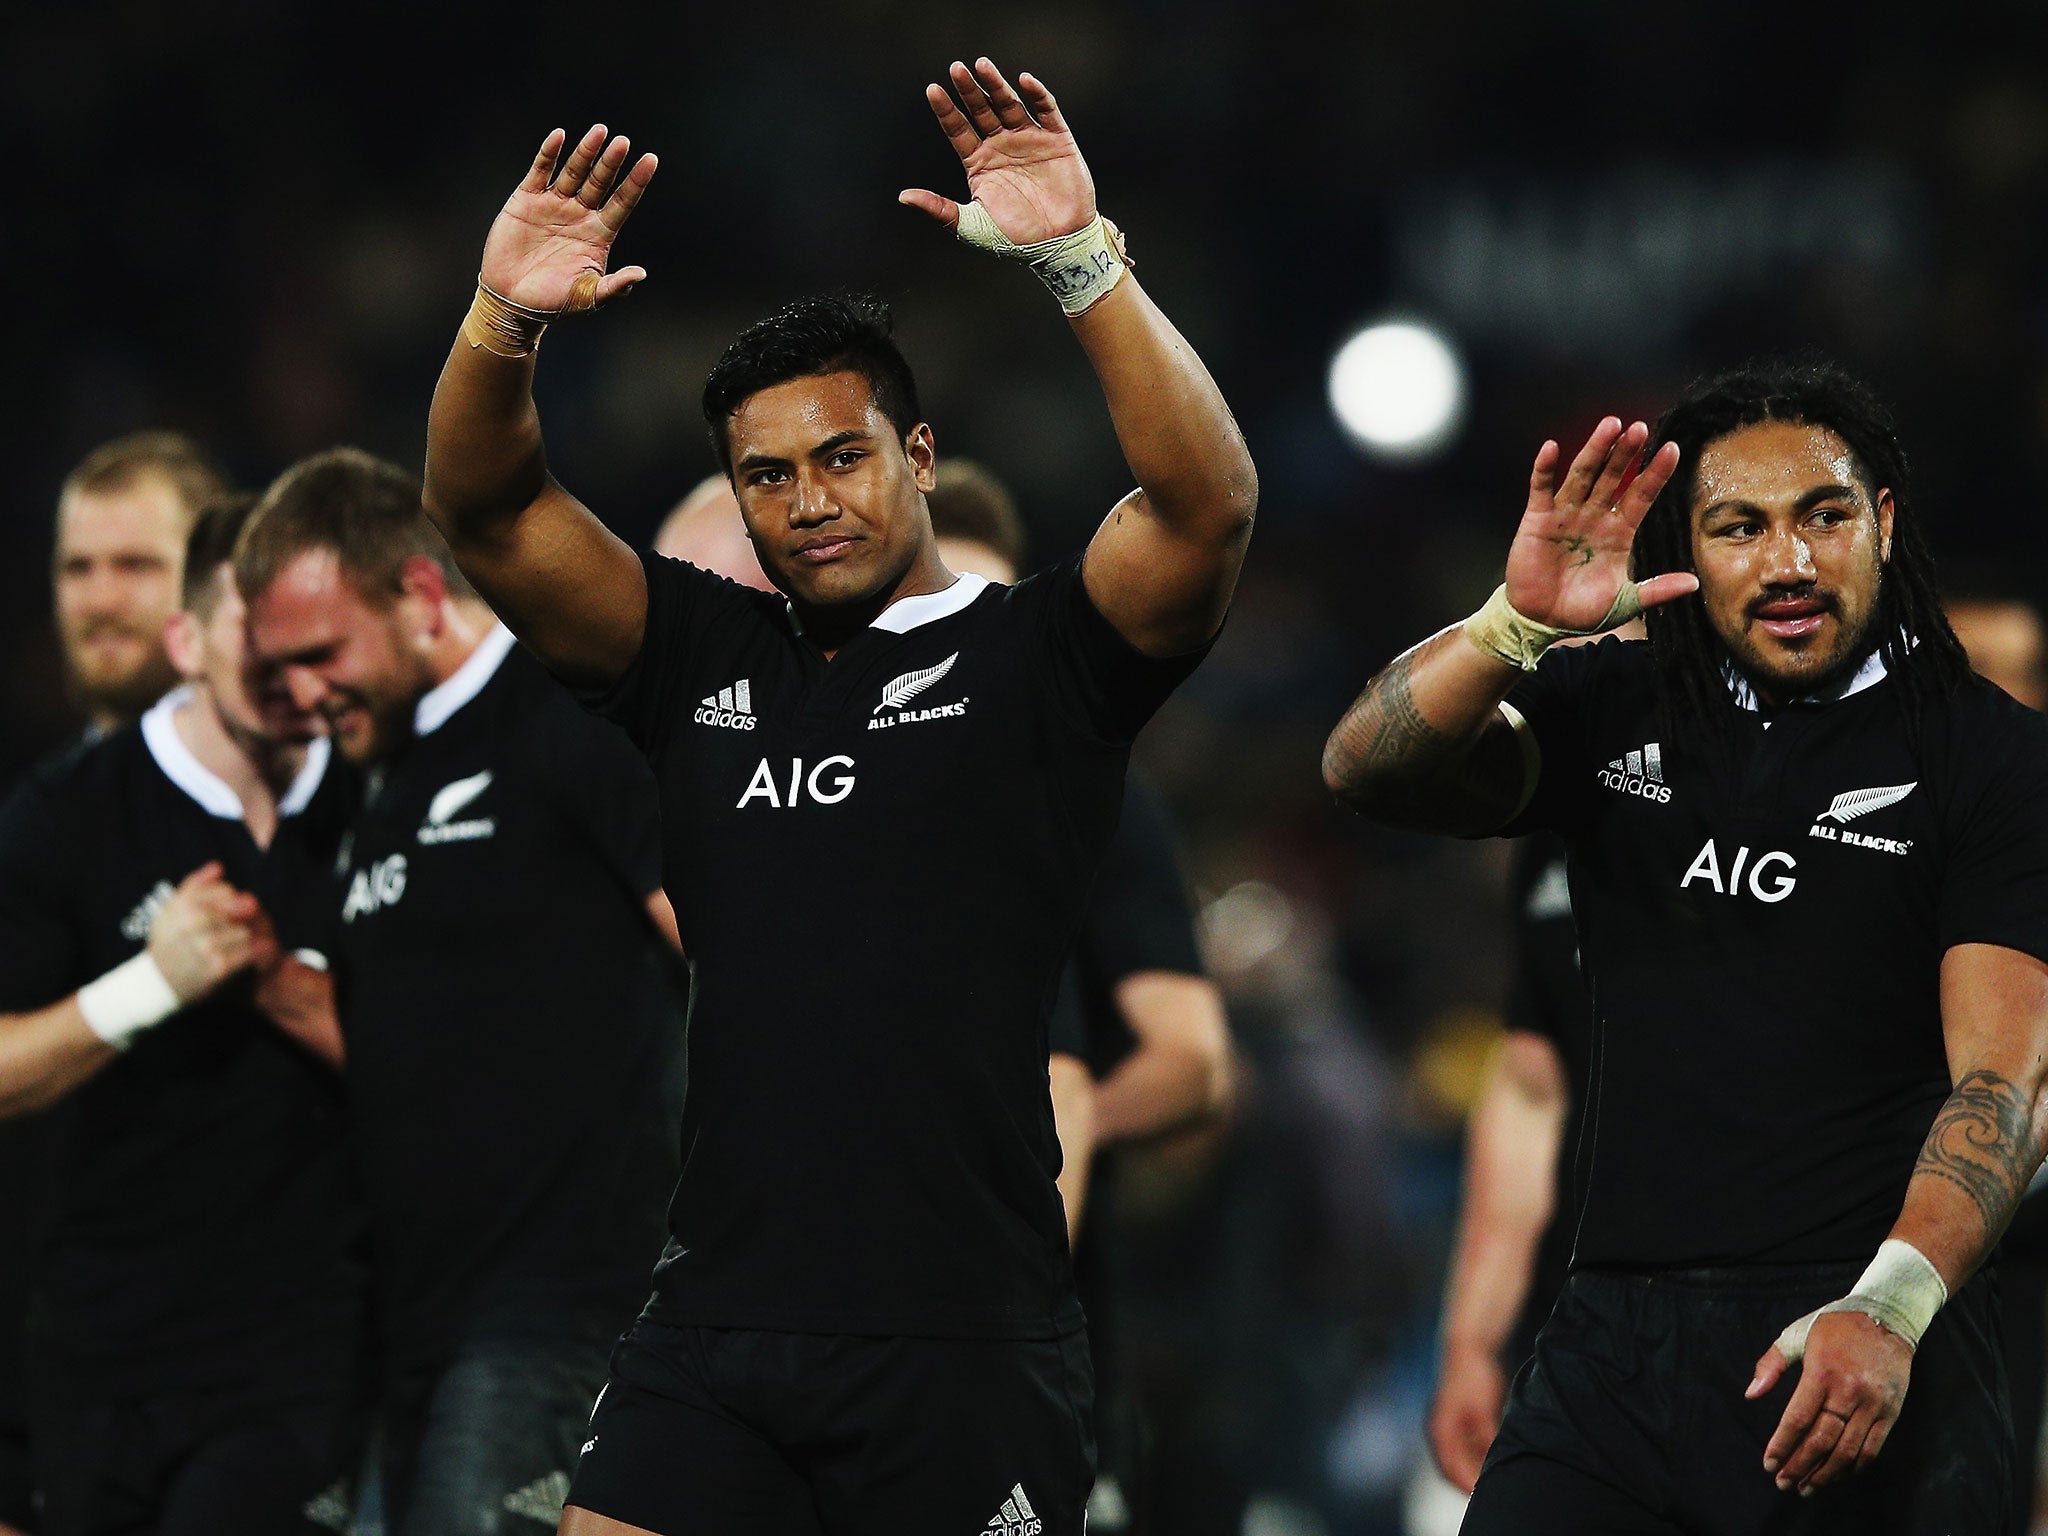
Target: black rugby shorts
751,1433
1630,1420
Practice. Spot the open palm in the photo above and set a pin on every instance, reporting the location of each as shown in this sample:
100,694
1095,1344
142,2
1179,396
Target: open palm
1571,552
551,243
1022,163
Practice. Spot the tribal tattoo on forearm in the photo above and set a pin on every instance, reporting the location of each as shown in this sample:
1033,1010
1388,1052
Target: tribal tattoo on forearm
1984,1143
1387,761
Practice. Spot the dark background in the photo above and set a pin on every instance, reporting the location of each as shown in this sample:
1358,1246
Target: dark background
260,223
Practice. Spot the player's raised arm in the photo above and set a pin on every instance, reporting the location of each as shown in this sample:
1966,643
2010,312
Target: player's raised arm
564,584
1427,745
1164,564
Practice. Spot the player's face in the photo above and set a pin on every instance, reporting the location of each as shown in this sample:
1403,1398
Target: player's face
831,492
254,704
120,558
356,663
1790,548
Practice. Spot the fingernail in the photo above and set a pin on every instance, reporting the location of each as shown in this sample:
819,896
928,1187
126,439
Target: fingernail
1806,1490
1770,1463
1784,1485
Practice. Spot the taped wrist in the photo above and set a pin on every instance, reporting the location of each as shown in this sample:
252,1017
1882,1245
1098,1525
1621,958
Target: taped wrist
130,998
1520,641
1901,1291
1079,268
499,326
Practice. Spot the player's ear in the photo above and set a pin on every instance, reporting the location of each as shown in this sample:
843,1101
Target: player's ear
1885,510
181,643
422,578
922,449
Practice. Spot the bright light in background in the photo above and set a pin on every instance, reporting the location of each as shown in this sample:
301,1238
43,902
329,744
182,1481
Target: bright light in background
1398,390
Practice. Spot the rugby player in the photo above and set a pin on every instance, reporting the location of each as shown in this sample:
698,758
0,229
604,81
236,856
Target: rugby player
123,516
706,529
198,1358
883,794
1810,870
1515,1220
510,1035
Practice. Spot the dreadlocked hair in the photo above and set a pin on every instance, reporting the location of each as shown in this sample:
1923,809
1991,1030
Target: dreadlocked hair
1692,688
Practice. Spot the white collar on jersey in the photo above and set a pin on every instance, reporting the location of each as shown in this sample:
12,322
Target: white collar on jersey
908,613
160,735
437,706
1869,675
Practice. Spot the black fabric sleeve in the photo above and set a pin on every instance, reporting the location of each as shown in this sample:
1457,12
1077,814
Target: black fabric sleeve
1994,887
1140,917
681,602
1552,702
38,944
1067,1030
1098,680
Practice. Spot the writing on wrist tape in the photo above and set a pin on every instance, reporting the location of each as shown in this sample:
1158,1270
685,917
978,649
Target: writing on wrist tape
127,1000
1901,1291
1079,269
1520,641
499,326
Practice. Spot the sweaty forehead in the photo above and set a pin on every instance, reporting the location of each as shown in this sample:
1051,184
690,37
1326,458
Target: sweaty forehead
788,419
1771,464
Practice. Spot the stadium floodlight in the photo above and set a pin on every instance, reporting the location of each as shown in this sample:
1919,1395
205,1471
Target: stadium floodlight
1398,390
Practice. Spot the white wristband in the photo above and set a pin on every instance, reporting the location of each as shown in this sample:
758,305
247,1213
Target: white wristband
1500,630
1901,1291
127,1000
1079,268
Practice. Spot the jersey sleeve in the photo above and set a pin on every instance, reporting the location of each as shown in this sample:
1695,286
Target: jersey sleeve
602,786
1098,681
683,604
1994,887
1139,916
1552,703
1067,1029
38,944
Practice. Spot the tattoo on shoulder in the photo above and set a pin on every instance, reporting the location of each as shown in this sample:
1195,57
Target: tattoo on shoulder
1983,1143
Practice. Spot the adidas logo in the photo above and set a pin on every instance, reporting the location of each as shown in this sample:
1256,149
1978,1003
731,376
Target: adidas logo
542,1499
1015,1518
137,924
731,707
1640,772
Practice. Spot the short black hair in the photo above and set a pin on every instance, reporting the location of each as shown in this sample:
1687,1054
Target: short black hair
1908,627
211,545
826,333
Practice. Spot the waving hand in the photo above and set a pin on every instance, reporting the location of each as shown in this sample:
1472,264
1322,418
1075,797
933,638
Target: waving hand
551,243
1022,163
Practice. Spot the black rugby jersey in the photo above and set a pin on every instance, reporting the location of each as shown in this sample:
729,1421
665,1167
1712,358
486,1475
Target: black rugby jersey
512,1030
1763,936
879,863
206,1231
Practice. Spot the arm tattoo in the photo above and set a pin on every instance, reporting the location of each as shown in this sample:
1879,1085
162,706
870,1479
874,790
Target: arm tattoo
1387,761
1983,1142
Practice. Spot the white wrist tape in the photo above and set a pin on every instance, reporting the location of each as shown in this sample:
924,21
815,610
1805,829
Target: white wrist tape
1520,641
1901,1290
1079,268
127,1000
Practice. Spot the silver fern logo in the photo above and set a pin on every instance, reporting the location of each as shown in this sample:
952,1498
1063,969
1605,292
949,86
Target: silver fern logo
1861,802
907,687
903,689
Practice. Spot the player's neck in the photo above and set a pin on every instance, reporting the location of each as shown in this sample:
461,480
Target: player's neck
259,772
830,628
464,625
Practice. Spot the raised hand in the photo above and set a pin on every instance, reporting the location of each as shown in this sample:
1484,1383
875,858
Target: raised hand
207,932
1571,552
1022,163
551,243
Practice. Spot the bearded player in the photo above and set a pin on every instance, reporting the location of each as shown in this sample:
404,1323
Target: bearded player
884,792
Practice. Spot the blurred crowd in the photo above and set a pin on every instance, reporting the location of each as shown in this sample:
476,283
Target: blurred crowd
257,224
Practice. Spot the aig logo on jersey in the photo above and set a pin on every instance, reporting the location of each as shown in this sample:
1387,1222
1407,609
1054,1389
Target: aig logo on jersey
1639,773
902,690
440,827
1771,877
372,890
